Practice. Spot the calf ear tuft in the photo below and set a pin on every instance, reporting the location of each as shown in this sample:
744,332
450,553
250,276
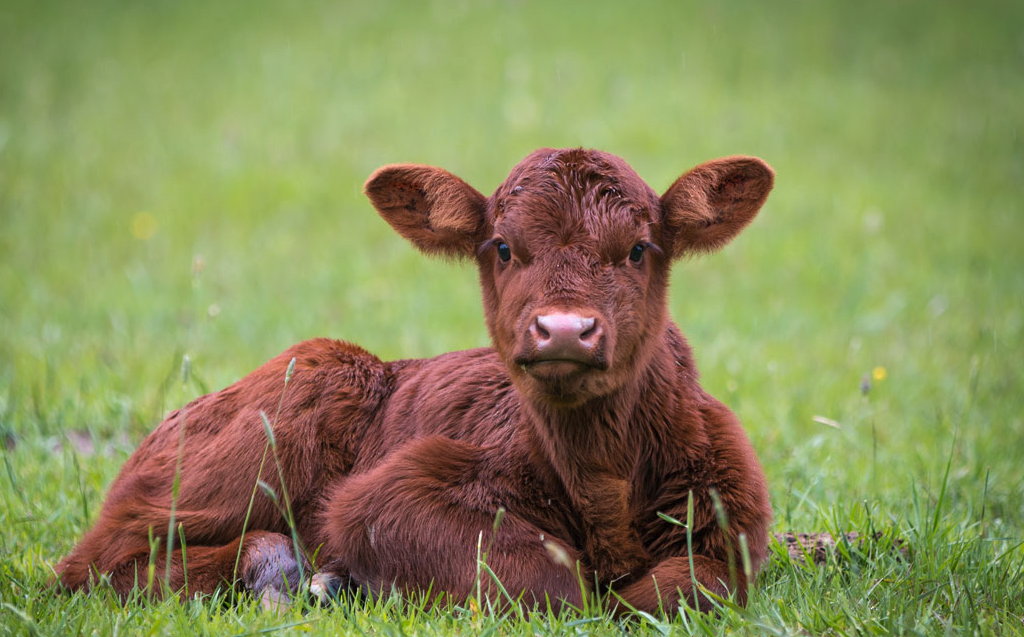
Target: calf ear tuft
708,206
435,210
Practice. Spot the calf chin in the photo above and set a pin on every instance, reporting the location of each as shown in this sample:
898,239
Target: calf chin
561,390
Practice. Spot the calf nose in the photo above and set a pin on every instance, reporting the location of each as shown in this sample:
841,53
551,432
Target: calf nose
566,336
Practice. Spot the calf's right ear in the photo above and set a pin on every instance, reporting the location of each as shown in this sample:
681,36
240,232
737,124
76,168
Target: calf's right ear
435,210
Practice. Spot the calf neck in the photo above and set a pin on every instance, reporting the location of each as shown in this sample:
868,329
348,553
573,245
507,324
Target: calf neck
584,424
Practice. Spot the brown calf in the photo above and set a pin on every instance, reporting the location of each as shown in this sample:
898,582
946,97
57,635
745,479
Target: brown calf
584,422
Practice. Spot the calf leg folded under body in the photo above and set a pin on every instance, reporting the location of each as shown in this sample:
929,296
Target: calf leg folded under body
266,565
672,581
418,520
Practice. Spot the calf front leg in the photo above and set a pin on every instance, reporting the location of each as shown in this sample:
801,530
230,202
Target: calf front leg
416,520
672,580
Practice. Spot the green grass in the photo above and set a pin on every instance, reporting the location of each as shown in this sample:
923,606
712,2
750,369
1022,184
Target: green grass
184,178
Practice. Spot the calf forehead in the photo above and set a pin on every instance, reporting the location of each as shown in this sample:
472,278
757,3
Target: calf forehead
573,196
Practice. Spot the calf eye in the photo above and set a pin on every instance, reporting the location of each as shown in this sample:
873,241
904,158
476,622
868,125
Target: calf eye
636,253
504,252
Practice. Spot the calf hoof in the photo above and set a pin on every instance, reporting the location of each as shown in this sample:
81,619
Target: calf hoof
326,587
269,569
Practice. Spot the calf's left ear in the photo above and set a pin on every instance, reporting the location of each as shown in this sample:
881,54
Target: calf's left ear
708,206
435,210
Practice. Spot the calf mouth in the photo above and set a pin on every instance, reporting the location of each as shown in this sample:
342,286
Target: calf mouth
557,369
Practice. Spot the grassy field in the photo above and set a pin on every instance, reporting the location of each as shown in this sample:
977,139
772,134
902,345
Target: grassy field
183,179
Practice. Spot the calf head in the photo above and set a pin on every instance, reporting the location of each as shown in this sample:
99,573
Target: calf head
574,251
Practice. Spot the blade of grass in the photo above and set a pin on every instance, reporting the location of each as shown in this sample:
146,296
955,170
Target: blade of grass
259,473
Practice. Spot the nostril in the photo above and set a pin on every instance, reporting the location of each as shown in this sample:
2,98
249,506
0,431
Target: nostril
590,329
592,337
541,332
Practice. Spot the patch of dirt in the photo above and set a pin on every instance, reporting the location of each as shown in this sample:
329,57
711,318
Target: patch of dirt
818,546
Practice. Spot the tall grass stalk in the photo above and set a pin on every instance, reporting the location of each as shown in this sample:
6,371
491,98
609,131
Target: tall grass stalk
184,560
271,442
186,369
723,524
286,511
154,546
689,545
81,486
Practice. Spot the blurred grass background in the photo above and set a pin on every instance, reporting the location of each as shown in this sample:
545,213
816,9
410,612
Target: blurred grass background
183,178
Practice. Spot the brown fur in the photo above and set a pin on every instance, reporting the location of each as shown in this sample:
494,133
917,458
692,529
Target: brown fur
396,470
